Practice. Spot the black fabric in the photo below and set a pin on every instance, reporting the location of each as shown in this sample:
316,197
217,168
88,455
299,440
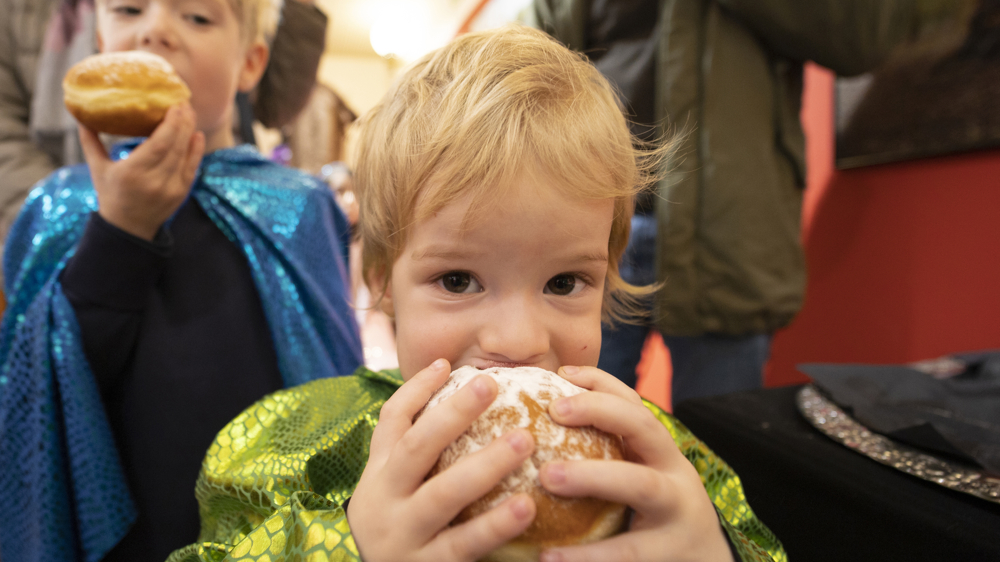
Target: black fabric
176,335
828,503
957,414
622,41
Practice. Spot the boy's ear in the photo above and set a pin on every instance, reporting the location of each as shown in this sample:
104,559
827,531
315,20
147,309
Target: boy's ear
254,64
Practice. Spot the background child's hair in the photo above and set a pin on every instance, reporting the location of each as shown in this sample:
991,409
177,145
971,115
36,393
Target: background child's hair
475,115
258,18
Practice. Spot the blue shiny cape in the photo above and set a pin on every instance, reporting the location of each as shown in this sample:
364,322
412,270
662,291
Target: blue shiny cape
63,494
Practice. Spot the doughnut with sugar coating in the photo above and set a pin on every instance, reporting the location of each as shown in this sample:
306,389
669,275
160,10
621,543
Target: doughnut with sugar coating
523,398
123,93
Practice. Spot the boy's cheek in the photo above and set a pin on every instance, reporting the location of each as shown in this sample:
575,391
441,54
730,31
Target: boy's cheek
589,352
420,343
583,348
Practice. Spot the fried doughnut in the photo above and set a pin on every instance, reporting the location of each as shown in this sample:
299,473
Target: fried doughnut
123,93
523,398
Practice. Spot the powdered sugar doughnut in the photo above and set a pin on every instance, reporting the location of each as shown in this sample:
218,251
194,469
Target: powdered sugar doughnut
123,93
523,398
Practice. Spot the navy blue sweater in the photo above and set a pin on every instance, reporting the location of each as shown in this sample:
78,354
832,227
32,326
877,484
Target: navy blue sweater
175,334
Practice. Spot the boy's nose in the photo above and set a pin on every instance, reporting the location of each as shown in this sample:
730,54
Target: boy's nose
158,29
514,333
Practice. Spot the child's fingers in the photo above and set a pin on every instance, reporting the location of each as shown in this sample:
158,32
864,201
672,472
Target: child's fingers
178,150
448,492
168,143
645,490
593,378
419,448
474,539
651,545
93,150
162,139
642,432
397,413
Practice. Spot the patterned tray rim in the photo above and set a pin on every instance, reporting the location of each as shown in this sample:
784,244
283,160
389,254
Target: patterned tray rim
832,421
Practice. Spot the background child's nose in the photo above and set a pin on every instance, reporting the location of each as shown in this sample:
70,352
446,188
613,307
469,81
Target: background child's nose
158,29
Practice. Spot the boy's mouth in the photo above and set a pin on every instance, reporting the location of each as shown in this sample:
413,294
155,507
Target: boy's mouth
504,364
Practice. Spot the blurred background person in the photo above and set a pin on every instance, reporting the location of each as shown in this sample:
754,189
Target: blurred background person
723,235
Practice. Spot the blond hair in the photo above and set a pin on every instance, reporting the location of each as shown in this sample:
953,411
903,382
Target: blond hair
475,115
258,18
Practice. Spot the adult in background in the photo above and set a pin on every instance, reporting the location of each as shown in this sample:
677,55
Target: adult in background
723,235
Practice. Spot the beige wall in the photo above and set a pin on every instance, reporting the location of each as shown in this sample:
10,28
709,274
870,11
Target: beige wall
360,80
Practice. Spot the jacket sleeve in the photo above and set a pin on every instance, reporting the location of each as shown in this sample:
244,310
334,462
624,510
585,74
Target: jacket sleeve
108,281
848,36
22,163
318,524
290,75
275,479
565,20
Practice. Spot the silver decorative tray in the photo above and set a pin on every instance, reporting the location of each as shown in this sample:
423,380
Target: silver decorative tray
835,424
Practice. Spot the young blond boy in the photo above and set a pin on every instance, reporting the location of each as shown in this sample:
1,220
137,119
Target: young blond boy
154,294
496,183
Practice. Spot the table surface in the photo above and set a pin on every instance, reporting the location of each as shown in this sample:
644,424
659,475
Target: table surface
827,502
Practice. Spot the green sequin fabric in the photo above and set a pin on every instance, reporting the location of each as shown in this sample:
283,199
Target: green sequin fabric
273,481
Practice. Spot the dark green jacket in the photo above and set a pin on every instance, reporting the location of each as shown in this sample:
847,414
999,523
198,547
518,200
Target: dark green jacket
729,74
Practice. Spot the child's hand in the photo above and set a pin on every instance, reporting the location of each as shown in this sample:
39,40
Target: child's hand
397,516
674,518
138,194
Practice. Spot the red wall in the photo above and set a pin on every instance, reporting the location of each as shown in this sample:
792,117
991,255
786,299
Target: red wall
904,259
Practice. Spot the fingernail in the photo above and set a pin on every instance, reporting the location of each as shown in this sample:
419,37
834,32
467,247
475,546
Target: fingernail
520,508
518,441
555,473
571,370
480,388
439,364
563,407
550,556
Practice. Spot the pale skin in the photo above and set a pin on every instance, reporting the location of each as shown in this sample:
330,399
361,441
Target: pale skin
204,42
523,286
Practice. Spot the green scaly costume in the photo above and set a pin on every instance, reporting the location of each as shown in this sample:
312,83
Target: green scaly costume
273,481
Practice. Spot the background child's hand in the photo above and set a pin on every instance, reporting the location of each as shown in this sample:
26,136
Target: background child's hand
397,516
674,518
138,194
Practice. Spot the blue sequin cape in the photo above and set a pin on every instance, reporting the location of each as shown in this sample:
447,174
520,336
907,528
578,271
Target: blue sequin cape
63,494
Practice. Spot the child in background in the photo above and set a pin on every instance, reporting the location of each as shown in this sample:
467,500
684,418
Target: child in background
153,295
496,182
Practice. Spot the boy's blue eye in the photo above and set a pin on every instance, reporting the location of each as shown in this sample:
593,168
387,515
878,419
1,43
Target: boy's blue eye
200,20
459,282
562,285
